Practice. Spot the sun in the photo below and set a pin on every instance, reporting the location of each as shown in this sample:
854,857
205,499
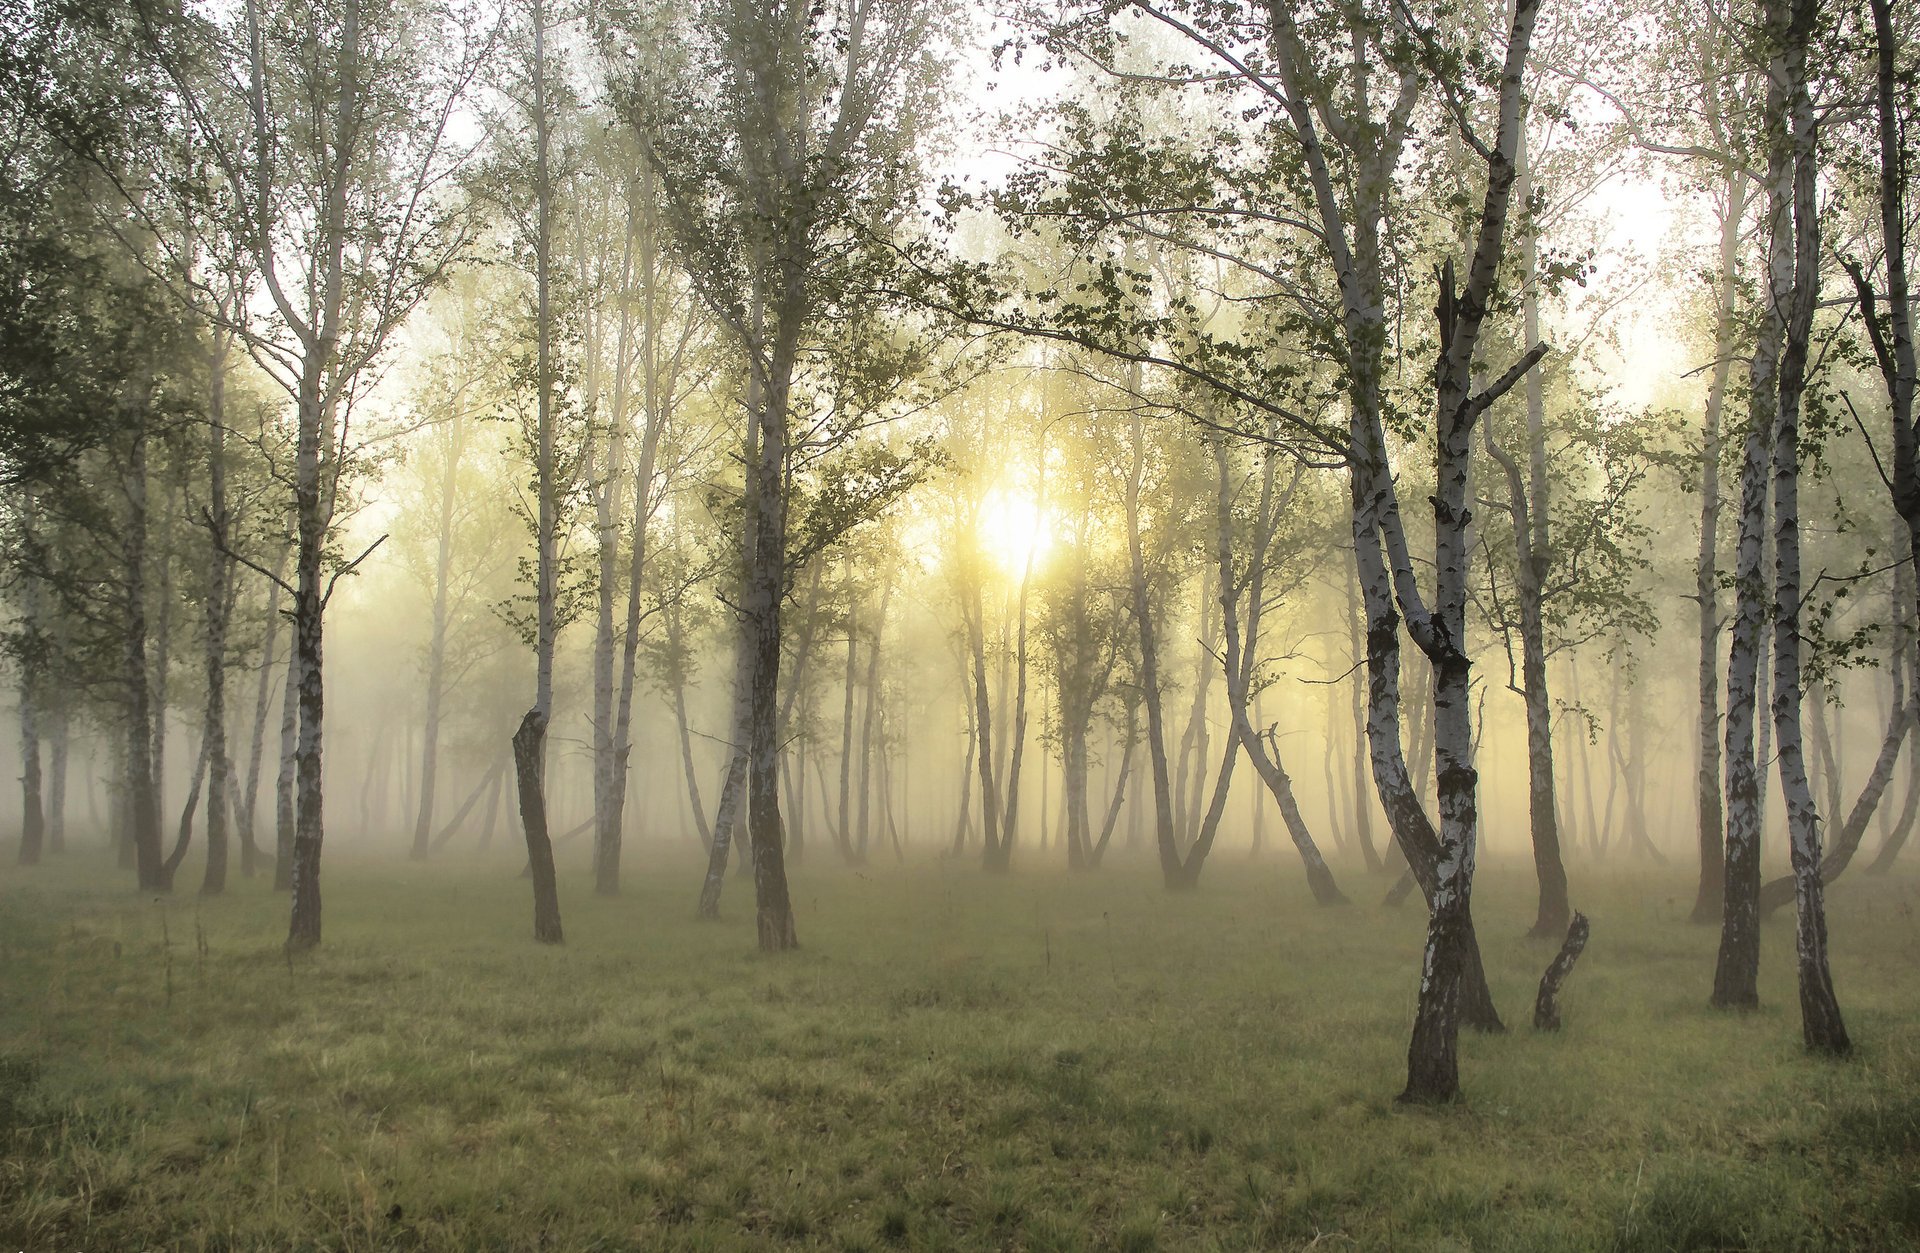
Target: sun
1013,531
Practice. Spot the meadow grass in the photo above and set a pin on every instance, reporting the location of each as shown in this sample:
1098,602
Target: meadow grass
951,1061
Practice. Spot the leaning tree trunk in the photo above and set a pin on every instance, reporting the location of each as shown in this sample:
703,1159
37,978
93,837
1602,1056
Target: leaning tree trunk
1237,667
1891,333
726,815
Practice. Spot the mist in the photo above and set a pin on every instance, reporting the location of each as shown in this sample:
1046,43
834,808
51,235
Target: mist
1088,626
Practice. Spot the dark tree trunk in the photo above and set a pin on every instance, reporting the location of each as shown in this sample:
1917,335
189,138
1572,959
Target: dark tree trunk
56,786
285,815
1546,1003
142,804
490,779
529,752
256,749
726,817
32,812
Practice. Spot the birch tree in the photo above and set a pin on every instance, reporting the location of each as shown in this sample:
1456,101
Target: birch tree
783,134
328,126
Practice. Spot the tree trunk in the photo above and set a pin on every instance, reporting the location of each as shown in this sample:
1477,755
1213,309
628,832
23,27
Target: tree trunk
766,589
32,812
285,817
1546,1003
1821,1022
262,701
184,837
867,724
219,615
1107,825
1237,665
991,856
1141,605
966,782
142,804
437,641
701,828
726,816
1362,805
529,753
843,833
530,740
1737,969
59,741
489,780
655,398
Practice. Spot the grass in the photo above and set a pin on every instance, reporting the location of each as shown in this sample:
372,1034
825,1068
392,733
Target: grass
951,1062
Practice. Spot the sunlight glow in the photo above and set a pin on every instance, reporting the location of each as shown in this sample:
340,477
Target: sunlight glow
1011,529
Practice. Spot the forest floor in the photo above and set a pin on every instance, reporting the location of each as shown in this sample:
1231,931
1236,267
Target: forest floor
951,1061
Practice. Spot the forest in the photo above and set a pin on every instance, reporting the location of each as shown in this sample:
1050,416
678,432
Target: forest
864,624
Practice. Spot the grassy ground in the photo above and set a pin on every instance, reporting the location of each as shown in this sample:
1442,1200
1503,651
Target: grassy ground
951,1062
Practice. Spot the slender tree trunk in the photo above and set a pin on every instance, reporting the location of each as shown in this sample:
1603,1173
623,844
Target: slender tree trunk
686,763
256,748
975,613
1528,502
1141,605
219,615
727,813
843,833
966,781
867,725
1362,802
59,742
437,641
285,815
32,811
655,389
1709,900
490,779
1821,1022
142,804
530,740
1238,662
1107,825
1737,970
